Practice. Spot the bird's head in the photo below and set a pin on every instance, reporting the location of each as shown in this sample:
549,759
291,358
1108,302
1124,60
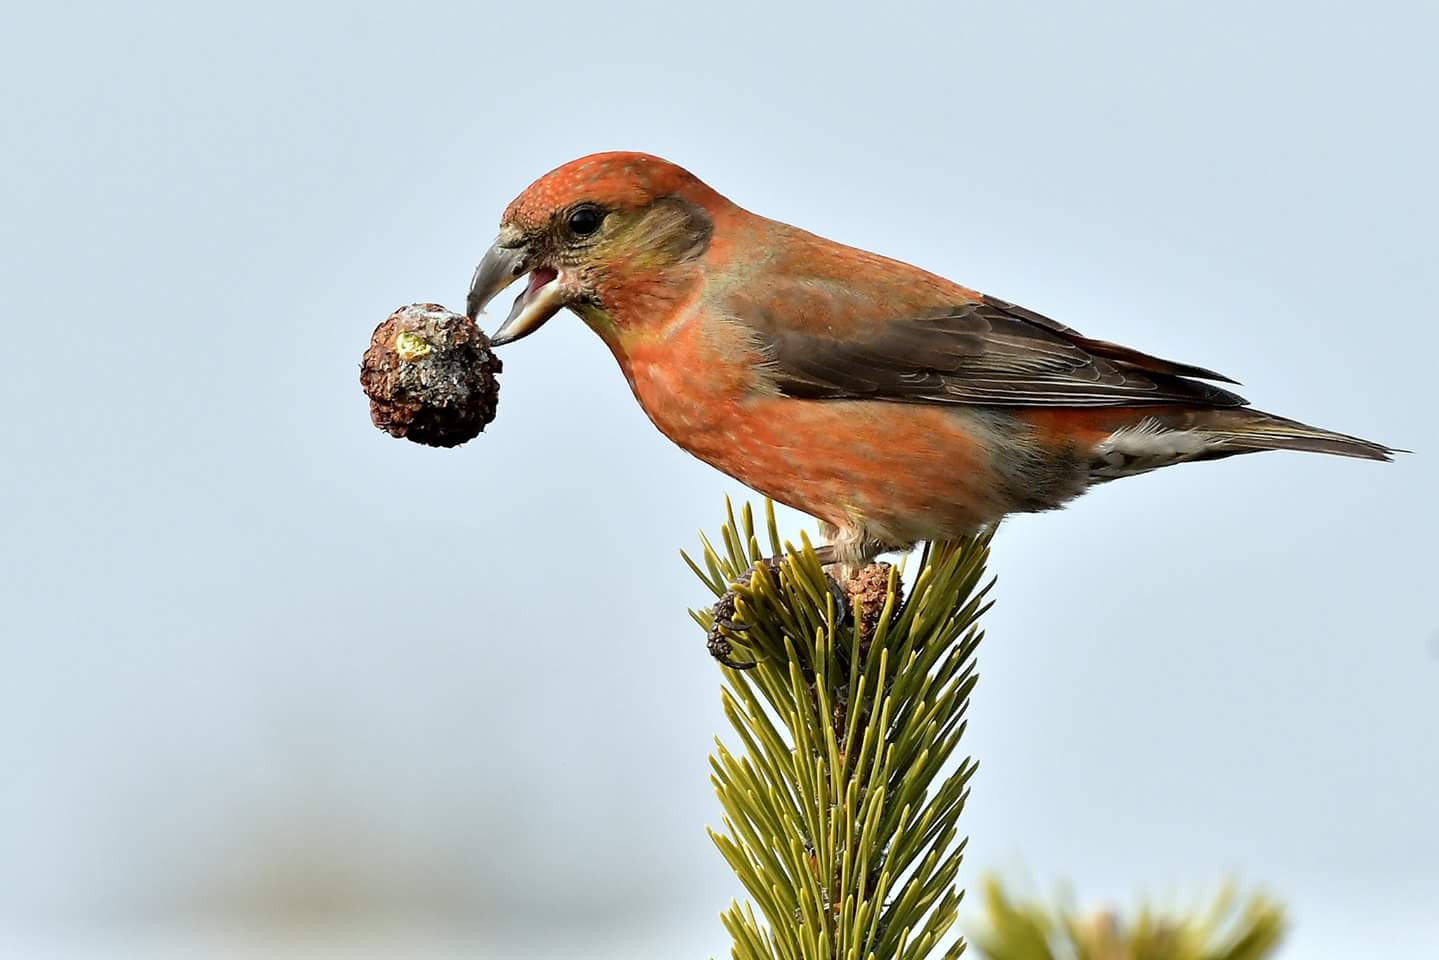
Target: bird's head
600,235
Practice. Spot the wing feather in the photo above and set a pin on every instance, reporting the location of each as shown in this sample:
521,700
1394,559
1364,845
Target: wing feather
986,352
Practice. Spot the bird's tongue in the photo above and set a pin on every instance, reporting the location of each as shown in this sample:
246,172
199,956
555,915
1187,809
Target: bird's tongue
538,279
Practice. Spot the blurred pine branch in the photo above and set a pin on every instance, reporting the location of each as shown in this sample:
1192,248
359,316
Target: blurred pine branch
841,812
1227,930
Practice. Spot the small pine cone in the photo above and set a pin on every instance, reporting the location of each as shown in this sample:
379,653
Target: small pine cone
870,588
430,376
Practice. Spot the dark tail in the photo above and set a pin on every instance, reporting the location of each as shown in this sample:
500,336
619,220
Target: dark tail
1242,430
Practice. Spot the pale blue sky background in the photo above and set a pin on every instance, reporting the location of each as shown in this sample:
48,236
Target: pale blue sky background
223,728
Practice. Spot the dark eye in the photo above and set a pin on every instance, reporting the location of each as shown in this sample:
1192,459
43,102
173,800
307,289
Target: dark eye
585,219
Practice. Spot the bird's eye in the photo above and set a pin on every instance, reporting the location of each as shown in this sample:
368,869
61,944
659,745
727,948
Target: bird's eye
585,219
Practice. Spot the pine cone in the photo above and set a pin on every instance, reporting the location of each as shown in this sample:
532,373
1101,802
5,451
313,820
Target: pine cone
430,376
870,588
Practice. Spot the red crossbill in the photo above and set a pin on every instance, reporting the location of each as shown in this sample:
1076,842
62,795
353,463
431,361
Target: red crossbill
891,404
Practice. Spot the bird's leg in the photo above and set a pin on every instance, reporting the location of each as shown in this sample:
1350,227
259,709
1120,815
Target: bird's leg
850,548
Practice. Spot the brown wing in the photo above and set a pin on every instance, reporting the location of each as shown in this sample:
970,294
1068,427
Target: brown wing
983,352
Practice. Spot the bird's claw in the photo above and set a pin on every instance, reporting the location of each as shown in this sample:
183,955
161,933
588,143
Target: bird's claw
842,605
716,642
724,624
724,611
721,649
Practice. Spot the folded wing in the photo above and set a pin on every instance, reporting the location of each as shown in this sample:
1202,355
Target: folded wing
983,352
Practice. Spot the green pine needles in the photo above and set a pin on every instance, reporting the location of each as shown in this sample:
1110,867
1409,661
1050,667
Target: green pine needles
842,810
1231,928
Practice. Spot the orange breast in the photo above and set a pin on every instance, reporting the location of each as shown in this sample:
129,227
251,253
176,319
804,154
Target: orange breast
903,471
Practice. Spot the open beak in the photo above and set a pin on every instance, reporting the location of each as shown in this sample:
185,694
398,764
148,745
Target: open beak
541,299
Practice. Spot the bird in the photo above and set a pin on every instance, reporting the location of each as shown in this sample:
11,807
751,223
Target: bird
889,403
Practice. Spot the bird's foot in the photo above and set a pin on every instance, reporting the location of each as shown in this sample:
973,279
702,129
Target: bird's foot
723,651
717,641
724,625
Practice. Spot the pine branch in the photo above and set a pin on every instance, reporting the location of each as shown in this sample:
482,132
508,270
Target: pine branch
1226,930
841,811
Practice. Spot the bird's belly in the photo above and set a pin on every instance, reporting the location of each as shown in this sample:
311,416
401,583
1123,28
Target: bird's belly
899,472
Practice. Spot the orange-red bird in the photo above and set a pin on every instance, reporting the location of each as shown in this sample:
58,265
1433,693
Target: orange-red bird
892,404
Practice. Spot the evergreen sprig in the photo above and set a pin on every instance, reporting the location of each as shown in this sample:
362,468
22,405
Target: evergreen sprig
841,812
1227,930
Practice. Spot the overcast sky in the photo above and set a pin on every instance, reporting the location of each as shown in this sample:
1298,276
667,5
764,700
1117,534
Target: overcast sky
269,673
